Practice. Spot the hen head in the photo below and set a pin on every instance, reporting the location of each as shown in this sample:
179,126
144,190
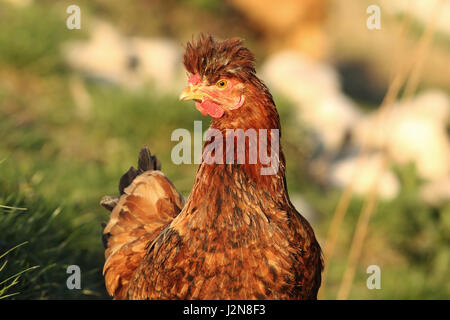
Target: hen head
223,82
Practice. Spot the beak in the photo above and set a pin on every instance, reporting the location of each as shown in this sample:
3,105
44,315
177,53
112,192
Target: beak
191,93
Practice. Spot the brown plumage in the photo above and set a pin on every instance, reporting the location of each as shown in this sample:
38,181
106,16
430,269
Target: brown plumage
238,236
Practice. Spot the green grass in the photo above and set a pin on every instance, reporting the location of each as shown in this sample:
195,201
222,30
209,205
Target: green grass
7,284
58,163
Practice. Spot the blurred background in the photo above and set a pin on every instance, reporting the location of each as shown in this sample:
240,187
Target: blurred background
365,117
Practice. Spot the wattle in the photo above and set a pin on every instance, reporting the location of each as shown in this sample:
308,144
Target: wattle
208,107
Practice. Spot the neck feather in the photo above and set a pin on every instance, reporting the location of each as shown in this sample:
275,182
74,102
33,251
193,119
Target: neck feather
220,177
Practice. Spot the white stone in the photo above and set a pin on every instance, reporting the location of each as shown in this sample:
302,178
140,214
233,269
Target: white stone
127,62
314,88
366,172
412,131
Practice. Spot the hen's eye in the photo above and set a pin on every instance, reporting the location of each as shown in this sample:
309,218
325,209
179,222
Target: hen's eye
222,83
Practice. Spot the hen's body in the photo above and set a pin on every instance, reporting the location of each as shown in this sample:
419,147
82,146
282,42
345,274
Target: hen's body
237,237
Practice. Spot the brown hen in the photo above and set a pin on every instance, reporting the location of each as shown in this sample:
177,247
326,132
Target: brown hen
238,236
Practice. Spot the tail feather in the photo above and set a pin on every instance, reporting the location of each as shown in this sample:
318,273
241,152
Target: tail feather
148,203
146,162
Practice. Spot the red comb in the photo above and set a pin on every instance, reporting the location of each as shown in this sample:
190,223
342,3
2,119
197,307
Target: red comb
195,79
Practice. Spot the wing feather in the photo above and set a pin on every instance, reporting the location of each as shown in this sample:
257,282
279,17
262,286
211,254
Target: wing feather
146,207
